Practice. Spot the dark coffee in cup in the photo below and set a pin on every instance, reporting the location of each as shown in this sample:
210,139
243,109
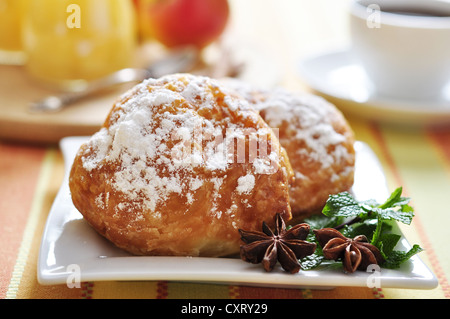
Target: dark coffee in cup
403,46
420,12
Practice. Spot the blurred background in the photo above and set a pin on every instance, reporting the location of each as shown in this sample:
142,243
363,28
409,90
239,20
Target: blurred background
51,47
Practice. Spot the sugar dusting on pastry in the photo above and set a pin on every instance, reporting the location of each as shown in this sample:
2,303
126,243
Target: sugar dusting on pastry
163,154
308,115
184,161
135,138
246,183
316,136
319,144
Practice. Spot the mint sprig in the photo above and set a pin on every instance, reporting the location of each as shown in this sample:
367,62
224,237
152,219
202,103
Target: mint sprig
352,217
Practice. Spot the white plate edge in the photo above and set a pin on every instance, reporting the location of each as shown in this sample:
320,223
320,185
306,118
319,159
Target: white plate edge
325,281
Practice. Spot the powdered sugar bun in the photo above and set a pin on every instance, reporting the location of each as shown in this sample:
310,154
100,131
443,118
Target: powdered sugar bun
317,138
319,143
173,170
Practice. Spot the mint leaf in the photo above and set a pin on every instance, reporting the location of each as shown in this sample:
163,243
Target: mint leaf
342,205
394,199
366,228
352,218
311,261
404,217
396,208
321,221
388,241
396,258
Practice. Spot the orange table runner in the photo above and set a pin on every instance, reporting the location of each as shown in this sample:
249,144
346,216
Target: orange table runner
30,177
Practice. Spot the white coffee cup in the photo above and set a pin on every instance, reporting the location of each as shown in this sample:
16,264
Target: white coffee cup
406,55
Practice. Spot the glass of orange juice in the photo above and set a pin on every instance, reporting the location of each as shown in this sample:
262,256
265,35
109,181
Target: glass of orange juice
10,32
69,42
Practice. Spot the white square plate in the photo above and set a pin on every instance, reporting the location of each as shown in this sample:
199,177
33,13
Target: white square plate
70,247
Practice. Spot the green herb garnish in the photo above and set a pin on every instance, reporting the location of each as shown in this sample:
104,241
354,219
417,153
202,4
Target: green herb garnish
369,218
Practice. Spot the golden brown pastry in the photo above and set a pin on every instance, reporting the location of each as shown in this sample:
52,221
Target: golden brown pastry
319,143
317,138
166,174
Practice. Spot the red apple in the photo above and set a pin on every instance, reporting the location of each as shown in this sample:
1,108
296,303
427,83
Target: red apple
183,22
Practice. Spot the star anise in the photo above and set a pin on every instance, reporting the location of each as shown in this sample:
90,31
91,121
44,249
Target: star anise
268,247
356,253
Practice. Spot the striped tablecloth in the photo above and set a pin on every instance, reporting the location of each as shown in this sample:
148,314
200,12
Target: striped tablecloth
30,176
417,159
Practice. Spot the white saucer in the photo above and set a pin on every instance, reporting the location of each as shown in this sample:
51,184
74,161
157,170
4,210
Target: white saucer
337,76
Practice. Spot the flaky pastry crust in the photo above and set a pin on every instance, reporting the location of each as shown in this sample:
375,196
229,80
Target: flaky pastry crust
317,138
155,180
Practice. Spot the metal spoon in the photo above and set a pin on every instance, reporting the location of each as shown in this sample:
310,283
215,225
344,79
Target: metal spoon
176,62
